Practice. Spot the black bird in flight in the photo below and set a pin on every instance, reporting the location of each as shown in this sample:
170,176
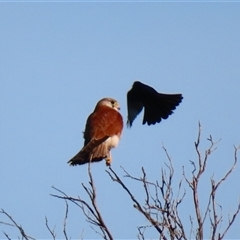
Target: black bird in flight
157,106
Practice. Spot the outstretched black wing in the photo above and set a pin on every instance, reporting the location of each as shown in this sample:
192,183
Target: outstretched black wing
157,106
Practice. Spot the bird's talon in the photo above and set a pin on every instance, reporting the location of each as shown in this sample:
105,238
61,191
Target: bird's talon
108,162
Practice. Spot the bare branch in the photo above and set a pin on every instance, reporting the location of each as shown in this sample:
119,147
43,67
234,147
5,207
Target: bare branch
196,175
230,170
232,219
92,196
22,232
137,205
8,224
52,231
6,236
141,231
191,230
197,172
197,145
65,221
90,211
145,186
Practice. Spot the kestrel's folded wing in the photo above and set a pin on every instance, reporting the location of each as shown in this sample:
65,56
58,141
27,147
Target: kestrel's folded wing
157,106
104,121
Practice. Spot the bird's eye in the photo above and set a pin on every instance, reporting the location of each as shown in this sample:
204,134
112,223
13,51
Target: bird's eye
112,102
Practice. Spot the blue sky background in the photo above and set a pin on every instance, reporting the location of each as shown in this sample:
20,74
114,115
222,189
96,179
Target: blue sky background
58,59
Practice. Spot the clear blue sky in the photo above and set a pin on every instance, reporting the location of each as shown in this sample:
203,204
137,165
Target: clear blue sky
58,59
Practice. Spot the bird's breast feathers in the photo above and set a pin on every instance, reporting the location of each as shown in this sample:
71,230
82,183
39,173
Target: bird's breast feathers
112,142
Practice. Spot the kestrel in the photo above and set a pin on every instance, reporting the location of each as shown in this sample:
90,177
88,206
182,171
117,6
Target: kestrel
157,106
102,133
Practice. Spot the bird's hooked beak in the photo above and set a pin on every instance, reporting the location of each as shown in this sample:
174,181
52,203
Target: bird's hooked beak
117,106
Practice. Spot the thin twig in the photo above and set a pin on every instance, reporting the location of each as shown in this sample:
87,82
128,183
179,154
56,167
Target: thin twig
65,221
22,232
6,235
52,232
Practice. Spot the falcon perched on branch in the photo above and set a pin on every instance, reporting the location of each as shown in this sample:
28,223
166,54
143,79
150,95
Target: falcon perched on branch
102,133
104,126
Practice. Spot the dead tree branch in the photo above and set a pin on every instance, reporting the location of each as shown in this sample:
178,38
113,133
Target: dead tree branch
14,224
52,231
215,186
162,211
65,222
137,205
90,211
214,218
